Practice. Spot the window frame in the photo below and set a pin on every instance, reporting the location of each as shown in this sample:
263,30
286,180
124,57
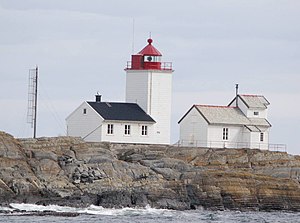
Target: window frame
110,129
261,137
151,58
127,130
225,133
144,131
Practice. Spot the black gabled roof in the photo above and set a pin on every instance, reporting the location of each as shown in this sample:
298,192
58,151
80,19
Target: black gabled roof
120,111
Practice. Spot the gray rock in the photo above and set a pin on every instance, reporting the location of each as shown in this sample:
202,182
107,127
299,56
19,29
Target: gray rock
69,171
168,173
39,155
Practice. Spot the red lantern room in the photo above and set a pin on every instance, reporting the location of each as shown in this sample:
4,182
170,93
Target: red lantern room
148,58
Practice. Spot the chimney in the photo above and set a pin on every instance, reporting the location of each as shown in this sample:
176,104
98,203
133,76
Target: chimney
236,94
98,98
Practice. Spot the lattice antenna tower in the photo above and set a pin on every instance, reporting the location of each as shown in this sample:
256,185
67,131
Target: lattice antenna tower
32,99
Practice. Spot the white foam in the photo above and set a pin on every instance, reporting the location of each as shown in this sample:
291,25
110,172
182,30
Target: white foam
6,209
35,207
98,210
93,210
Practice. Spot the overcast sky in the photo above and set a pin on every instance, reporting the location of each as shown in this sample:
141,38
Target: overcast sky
82,46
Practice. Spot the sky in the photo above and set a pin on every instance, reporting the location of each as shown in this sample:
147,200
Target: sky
82,47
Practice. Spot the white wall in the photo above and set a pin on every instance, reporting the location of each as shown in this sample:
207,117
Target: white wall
160,101
255,139
241,106
215,136
262,113
135,132
193,130
246,137
137,88
152,91
84,125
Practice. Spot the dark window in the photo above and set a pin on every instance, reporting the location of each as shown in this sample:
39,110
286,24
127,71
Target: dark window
261,136
127,130
256,113
144,130
84,111
225,133
110,129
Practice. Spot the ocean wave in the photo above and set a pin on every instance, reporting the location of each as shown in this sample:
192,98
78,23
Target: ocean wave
27,212
91,210
5,209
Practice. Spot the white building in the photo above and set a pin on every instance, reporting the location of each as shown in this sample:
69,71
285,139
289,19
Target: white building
145,116
110,121
241,124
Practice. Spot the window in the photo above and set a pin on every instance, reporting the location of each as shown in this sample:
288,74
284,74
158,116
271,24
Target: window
84,111
127,130
261,136
256,113
110,129
152,58
144,130
225,133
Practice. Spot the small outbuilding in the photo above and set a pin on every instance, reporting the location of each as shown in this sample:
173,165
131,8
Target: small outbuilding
111,121
241,124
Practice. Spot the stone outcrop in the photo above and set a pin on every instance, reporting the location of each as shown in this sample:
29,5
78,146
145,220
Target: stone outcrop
69,171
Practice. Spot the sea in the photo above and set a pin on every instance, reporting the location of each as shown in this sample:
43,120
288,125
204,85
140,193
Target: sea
31,213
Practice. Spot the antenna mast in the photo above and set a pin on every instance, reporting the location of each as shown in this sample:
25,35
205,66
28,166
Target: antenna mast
133,24
32,99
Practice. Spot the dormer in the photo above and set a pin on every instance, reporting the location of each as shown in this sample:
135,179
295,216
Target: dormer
253,106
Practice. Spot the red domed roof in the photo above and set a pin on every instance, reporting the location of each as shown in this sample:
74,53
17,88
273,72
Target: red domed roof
150,50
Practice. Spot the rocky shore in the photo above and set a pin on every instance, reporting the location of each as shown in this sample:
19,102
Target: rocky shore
69,171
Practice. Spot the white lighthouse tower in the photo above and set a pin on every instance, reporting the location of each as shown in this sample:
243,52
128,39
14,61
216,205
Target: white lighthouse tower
149,84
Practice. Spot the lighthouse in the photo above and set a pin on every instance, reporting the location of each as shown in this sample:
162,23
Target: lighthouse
149,84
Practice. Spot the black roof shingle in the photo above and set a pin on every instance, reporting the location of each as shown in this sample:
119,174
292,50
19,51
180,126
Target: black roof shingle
120,111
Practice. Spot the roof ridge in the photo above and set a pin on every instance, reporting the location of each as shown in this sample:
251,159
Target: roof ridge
251,95
215,106
111,102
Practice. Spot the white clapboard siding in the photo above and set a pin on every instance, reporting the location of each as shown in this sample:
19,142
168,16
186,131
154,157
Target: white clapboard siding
152,91
87,126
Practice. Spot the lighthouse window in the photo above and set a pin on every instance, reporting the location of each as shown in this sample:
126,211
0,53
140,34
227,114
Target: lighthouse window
149,58
256,113
127,130
152,58
84,111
